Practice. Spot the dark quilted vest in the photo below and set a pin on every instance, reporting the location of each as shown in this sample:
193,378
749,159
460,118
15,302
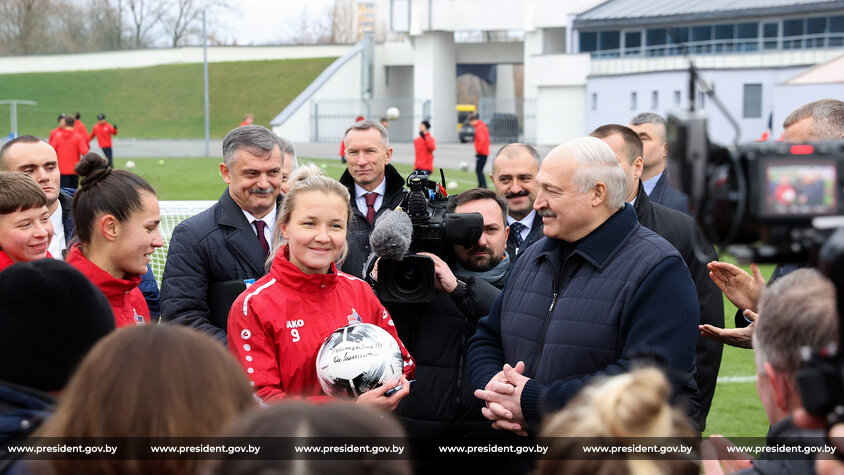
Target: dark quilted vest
582,334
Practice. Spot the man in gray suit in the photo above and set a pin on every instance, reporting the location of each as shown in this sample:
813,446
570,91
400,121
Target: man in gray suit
514,171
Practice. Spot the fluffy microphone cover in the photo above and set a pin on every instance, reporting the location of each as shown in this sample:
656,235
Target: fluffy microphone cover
391,235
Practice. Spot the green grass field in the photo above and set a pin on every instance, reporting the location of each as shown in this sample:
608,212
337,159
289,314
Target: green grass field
736,409
159,101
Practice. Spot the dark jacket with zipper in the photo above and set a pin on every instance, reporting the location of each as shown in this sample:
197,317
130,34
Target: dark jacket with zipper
681,231
572,311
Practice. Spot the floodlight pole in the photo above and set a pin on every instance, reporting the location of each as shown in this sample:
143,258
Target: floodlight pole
13,111
205,78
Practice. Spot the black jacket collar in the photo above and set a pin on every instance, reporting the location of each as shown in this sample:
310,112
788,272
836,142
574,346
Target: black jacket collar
242,238
643,203
395,182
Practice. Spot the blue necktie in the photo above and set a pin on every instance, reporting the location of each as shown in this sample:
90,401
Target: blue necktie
516,229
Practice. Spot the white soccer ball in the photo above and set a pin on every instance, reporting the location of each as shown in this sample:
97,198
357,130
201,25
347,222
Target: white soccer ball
130,165
393,113
357,358
464,166
452,185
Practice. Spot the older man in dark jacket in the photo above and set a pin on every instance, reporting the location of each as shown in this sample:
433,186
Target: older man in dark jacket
374,186
588,299
216,254
684,234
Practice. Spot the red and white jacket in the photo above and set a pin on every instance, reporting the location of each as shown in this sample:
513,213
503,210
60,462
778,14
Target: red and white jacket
277,325
126,299
103,132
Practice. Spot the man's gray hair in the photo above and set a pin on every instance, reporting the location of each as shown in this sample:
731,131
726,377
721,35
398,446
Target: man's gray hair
650,118
511,150
288,150
254,138
797,311
370,124
828,115
597,163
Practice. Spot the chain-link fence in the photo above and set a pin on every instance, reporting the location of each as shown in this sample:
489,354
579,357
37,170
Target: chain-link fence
509,120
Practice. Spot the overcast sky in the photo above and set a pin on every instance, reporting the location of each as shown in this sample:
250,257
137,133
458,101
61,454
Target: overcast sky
266,21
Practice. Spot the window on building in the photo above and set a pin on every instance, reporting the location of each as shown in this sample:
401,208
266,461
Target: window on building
792,32
633,100
701,100
678,36
771,32
588,41
677,97
632,43
594,100
655,40
654,100
752,101
610,41
748,35
554,41
815,29
701,37
836,31
723,36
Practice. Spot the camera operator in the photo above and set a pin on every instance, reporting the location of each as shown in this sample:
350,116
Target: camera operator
813,122
797,311
441,403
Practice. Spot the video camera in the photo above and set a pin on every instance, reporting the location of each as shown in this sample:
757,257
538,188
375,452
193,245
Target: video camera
412,278
771,202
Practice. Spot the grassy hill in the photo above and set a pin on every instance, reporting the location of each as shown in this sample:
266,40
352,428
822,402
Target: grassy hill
159,101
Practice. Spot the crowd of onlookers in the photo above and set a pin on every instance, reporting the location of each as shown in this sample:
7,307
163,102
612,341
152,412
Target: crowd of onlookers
580,313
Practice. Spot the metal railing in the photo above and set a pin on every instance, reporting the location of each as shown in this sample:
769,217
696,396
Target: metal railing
331,117
509,120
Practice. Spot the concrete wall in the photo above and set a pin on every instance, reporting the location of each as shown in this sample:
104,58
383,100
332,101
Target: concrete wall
788,97
155,57
558,112
344,84
614,105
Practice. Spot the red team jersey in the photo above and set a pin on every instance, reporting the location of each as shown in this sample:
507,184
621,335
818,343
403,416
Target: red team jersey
276,326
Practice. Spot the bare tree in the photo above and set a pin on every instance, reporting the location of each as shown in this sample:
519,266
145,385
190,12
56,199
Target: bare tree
342,22
105,20
24,25
182,18
145,15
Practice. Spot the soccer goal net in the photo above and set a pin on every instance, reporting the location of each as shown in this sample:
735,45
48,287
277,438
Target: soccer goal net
173,213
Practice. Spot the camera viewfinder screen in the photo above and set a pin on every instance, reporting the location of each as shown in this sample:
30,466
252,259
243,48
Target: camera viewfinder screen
807,189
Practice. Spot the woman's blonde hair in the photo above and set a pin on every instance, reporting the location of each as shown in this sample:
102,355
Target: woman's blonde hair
622,410
308,177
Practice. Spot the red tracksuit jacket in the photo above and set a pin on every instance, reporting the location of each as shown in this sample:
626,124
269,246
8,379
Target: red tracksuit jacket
277,325
481,138
127,301
103,133
424,153
69,147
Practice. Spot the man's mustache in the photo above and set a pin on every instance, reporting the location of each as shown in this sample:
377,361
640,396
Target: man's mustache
546,213
262,191
509,195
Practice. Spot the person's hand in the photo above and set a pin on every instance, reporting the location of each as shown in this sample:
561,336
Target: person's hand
422,133
741,288
502,396
375,397
738,337
718,459
446,281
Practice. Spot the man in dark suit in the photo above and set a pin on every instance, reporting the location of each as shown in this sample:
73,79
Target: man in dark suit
651,129
682,232
223,249
374,186
514,171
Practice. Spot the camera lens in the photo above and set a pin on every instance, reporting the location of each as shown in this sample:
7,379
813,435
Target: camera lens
409,278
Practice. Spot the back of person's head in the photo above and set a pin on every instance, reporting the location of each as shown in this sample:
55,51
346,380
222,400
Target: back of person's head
307,178
105,191
631,139
335,421
19,192
69,121
828,115
51,315
619,410
77,116
149,381
797,310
